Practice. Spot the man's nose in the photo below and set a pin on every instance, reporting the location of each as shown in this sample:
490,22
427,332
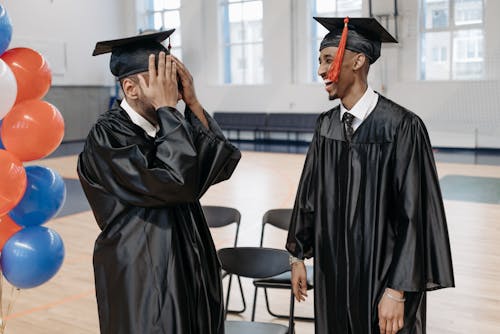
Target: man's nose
321,70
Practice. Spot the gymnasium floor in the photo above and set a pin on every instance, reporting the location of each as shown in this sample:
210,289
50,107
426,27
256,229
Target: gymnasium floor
263,181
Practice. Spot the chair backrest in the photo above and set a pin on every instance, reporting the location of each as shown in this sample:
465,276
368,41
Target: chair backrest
219,216
254,262
279,218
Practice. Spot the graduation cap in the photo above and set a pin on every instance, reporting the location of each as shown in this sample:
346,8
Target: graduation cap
131,55
358,34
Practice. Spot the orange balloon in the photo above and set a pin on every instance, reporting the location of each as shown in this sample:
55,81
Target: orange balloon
13,181
32,130
32,72
7,229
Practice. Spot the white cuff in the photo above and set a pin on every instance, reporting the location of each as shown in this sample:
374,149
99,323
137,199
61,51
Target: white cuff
294,259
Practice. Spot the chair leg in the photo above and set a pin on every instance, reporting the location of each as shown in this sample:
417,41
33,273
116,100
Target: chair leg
282,316
227,297
254,303
291,323
242,297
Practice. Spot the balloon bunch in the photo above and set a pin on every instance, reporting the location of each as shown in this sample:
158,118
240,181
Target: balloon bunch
30,129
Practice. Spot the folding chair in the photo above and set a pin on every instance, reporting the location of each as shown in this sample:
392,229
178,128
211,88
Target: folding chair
256,262
280,218
220,216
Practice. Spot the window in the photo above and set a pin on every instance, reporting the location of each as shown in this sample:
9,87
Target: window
242,41
452,40
332,8
164,15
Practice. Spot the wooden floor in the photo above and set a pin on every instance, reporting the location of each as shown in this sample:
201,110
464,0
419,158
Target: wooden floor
66,304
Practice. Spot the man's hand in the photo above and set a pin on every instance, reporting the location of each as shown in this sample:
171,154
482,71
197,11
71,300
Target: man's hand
391,312
188,92
299,281
161,86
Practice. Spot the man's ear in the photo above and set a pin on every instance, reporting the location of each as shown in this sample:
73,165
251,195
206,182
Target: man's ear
130,88
359,61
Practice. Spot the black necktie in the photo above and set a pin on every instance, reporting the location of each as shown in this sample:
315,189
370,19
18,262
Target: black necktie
347,119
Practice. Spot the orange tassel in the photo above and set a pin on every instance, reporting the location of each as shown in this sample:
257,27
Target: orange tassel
334,72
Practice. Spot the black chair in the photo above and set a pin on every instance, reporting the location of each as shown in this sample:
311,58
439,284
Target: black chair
256,262
220,216
280,218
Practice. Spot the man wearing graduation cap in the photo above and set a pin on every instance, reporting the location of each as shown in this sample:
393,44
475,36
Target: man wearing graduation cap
368,207
143,169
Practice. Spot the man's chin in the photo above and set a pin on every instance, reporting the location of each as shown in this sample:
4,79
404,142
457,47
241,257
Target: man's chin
332,97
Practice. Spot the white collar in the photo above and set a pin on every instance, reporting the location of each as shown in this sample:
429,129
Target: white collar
137,119
363,107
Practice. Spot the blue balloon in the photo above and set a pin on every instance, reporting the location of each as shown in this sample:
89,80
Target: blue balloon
32,256
1,144
45,195
5,30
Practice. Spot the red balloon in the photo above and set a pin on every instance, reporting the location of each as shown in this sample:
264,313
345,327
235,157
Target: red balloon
32,130
32,73
13,181
7,229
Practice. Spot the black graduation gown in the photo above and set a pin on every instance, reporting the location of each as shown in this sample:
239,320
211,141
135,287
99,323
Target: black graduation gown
371,214
155,265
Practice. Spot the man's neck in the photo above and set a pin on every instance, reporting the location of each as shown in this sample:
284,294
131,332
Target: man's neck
147,112
354,95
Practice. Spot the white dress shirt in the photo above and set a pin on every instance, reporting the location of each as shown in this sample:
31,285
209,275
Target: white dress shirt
362,108
137,119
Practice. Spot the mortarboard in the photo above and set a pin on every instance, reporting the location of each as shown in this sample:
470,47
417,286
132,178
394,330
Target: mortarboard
358,34
131,55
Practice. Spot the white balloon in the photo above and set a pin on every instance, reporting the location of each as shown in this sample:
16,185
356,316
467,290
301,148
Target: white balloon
8,89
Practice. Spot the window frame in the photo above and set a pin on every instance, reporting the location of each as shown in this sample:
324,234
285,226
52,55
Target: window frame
313,38
452,28
150,19
226,44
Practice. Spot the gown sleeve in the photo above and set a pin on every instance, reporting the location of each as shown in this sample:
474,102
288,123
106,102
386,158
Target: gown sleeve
184,164
208,144
422,258
300,241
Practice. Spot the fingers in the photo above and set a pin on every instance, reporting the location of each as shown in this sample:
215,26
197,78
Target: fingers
395,327
167,65
173,74
297,290
162,86
390,326
382,324
180,65
152,67
142,82
303,287
182,70
299,282
401,323
170,69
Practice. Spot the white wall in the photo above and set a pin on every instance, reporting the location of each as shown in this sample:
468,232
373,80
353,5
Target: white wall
65,32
